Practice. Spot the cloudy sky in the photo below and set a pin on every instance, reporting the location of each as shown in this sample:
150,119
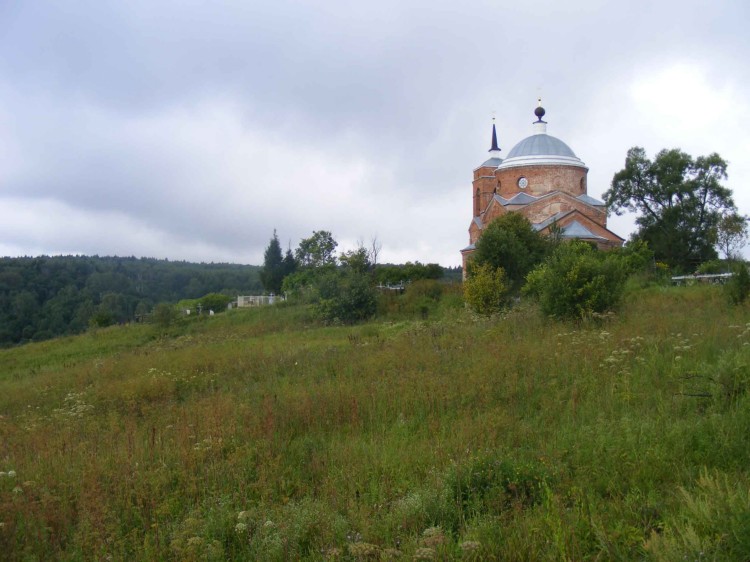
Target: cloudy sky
192,129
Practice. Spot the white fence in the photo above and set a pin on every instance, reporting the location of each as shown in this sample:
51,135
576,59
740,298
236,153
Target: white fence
258,300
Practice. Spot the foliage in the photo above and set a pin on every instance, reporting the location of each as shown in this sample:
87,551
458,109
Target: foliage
713,267
409,272
43,297
577,281
261,435
319,250
272,273
214,301
738,287
680,201
347,297
510,242
486,290
165,315
357,260
731,234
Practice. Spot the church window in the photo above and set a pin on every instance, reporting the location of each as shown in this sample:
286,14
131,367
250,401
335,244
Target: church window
476,203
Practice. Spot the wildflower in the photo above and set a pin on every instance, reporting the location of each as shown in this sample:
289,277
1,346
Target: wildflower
194,541
390,554
11,474
3,474
242,515
333,553
433,536
363,549
269,524
424,554
240,528
18,490
469,546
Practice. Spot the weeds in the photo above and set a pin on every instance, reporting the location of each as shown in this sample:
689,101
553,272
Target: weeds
261,435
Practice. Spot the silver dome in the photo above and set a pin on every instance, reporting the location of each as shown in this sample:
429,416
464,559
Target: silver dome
541,145
541,149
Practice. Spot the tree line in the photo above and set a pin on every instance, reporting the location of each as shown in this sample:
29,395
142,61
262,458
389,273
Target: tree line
341,286
48,296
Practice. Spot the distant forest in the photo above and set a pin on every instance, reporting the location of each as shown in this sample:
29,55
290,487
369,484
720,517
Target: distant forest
44,297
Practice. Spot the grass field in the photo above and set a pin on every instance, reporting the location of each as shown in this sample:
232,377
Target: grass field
262,435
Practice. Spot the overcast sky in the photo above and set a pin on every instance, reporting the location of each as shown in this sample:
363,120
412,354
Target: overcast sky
192,129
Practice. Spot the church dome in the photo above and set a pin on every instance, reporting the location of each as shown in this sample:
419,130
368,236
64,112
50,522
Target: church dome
541,145
541,149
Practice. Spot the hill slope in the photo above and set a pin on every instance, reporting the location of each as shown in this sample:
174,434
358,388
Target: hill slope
261,435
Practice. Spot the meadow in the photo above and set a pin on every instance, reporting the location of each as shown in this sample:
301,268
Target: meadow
263,435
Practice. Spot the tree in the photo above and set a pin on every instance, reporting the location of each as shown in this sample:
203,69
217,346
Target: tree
272,273
510,242
680,200
731,234
486,291
316,251
357,260
289,264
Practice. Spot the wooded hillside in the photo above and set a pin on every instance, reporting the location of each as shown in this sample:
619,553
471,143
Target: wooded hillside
44,297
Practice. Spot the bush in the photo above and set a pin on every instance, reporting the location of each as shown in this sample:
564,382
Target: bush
215,301
738,287
713,267
164,315
346,297
486,290
577,281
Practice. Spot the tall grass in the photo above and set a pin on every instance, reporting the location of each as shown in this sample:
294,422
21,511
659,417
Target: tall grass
262,435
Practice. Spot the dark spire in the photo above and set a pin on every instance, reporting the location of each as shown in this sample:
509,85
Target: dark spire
539,112
494,138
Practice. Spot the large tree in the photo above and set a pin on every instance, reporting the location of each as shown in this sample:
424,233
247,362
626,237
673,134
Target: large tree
511,242
679,199
318,250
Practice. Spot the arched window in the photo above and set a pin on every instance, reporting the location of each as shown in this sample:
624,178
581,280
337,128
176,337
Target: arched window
476,203
583,184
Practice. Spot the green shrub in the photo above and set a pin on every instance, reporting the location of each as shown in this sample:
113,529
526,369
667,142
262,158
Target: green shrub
346,297
488,484
577,281
713,267
215,301
486,290
738,287
164,315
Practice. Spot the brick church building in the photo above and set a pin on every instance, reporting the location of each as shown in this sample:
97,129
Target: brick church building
542,178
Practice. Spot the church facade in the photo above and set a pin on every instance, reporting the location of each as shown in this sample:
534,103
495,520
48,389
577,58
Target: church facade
542,178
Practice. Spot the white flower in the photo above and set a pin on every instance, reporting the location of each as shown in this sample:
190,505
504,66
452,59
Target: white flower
11,474
240,528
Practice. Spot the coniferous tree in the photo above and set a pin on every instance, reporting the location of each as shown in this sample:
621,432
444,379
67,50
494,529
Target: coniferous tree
289,264
272,273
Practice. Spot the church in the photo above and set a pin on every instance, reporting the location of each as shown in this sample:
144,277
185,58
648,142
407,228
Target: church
543,179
